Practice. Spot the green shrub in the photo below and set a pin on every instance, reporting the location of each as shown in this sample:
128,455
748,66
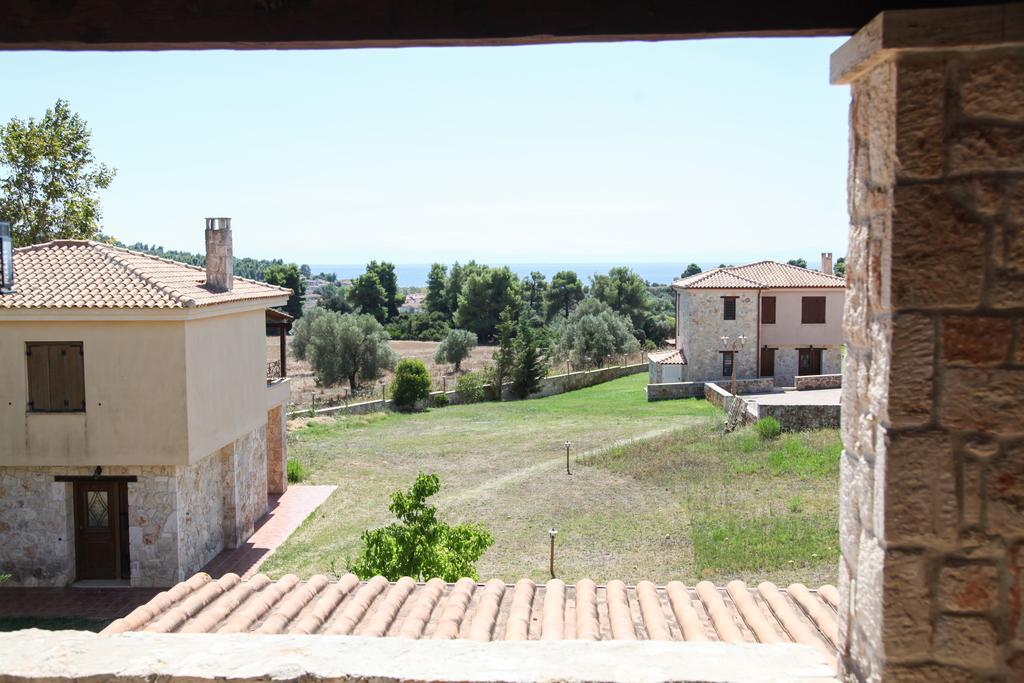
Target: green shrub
455,348
411,383
471,387
439,400
296,472
420,545
768,428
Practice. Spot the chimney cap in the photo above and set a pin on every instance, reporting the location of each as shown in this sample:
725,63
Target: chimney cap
218,223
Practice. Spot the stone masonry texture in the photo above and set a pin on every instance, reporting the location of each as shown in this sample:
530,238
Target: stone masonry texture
932,478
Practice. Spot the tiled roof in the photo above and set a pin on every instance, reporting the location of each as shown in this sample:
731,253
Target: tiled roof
493,611
757,275
669,357
84,274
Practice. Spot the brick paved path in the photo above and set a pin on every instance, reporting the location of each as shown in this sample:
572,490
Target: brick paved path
287,511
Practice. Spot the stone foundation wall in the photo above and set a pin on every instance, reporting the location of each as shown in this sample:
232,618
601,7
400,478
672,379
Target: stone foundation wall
796,418
673,390
37,534
200,513
806,382
700,329
250,480
787,363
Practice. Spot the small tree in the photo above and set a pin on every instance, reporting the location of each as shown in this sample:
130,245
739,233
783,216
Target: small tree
691,269
840,267
349,346
420,545
367,295
504,357
410,384
302,332
455,348
529,364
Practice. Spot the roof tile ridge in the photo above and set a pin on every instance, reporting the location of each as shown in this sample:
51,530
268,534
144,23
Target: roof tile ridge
732,271
51,244
696,277
811,270
115,256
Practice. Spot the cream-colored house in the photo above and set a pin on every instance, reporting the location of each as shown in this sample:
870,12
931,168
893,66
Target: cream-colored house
139,432
789,318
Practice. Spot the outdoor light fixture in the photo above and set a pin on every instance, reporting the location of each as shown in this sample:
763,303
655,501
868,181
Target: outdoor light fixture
97,473
568,445
551,564
736,345
6,259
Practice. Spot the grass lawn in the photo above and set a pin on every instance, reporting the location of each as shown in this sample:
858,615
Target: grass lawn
52,624
627,511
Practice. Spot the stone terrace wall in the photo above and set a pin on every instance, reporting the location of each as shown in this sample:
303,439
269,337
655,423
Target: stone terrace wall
795,418
805,382
932,476
667,391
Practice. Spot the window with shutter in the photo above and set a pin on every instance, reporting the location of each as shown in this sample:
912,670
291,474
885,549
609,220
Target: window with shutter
727,361
768,310
56,377
728,308
813,310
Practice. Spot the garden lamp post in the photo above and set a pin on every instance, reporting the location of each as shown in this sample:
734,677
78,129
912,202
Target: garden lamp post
734,345
568,445
551,562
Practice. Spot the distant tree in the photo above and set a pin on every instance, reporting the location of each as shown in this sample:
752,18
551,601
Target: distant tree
504,356
435,300
287,275
797,262
565,291
385,273
51,182
368,296
529,364
534,288
592,332
302,332
420,545
422,326
330,277
333,298
457,276
353,347
691,269
625,292
410,384
722,265
485,294
305,271
840,267
455,348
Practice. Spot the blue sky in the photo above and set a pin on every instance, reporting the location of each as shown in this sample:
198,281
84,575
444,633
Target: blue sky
625,152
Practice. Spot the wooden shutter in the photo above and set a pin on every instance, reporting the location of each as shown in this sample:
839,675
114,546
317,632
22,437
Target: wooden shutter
75,374
813,310
768,310
38,356
729,308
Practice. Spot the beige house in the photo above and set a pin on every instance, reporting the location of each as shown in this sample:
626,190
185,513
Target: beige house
789,318
139,432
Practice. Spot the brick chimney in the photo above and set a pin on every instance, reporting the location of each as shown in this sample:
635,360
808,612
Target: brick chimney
826,262
219,259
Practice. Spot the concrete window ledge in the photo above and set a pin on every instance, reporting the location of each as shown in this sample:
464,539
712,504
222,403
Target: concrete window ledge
45,656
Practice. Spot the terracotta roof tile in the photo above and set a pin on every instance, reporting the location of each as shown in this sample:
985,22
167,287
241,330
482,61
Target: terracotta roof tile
493,610
668,357
83,274
763,274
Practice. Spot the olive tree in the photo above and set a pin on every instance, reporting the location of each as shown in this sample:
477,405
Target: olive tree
349,347
592,332
455,348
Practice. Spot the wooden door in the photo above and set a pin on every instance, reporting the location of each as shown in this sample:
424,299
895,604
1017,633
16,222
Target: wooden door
98,529
767,362
810,362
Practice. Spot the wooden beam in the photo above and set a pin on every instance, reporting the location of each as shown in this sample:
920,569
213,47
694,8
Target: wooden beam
298,24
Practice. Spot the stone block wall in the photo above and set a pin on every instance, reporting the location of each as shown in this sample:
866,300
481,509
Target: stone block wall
277,451
700,329
672,390
787,363
796,418
932,476
201,511
37,534
810,382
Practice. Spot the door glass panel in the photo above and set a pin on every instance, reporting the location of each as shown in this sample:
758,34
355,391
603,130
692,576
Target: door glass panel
97,510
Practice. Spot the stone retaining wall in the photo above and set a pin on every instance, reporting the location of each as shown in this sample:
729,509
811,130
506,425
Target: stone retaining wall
795,418
805,382
672,390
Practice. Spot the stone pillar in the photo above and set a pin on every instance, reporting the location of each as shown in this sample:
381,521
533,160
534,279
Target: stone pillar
277,450
219,255
932,478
